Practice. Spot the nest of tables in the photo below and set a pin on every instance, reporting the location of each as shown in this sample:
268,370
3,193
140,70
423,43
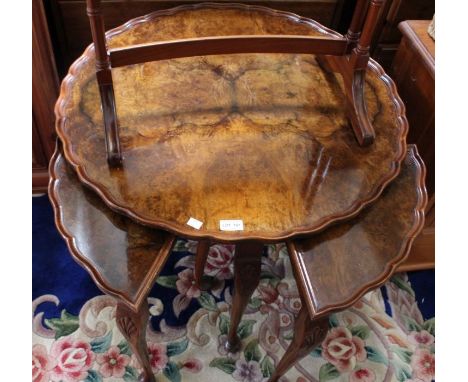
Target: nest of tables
264,139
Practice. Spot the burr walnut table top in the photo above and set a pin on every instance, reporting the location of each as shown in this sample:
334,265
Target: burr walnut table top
123,257
261,138
336,267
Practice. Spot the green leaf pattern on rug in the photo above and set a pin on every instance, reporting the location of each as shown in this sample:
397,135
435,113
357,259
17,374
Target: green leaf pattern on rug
402,372
124,347
402,284
374,355
131,374
176,348
63,326
101,344
93,376
228,365
255,303
245,328
267,367
167,281
333,321
361,331
207,301
171,372
328,372
223,324
429,325
252,352
402,353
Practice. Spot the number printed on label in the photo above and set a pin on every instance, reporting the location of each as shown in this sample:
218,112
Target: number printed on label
231,225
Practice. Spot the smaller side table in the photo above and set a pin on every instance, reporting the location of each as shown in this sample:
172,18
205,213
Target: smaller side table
413,71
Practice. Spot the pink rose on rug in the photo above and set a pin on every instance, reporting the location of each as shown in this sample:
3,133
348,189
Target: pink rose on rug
218,261
186,284
342,349
362,375
423,364
158,356
73,360
112,363
193,365
42,363
422,338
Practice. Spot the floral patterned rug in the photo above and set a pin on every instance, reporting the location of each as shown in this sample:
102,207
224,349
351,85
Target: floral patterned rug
384,337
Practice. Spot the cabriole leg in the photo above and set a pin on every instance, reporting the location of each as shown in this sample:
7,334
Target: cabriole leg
201,281
308,334
132,324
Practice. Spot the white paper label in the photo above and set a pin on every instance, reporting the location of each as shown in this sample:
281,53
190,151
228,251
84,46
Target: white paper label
192,222
231,225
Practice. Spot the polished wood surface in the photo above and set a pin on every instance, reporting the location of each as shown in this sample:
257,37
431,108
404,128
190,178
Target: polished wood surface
335,268
122,257
262,138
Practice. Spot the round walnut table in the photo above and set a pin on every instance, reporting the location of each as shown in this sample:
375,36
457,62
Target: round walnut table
243,148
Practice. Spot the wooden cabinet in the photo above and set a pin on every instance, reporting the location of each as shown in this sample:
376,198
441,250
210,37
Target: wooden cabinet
413,71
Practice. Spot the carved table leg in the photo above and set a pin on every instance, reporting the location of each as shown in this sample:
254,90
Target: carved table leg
308,334
247,266
132,324
202,282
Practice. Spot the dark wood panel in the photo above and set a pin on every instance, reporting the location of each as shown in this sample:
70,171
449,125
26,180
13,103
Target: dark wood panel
384,54
388,36
71,33
44,95
401,10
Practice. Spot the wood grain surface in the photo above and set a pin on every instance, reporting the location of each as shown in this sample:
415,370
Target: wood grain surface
258,137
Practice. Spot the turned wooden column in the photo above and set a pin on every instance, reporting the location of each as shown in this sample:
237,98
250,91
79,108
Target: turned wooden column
104,79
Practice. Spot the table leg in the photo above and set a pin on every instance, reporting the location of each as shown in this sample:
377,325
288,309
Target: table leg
308,334
132,324
201,281
247,266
